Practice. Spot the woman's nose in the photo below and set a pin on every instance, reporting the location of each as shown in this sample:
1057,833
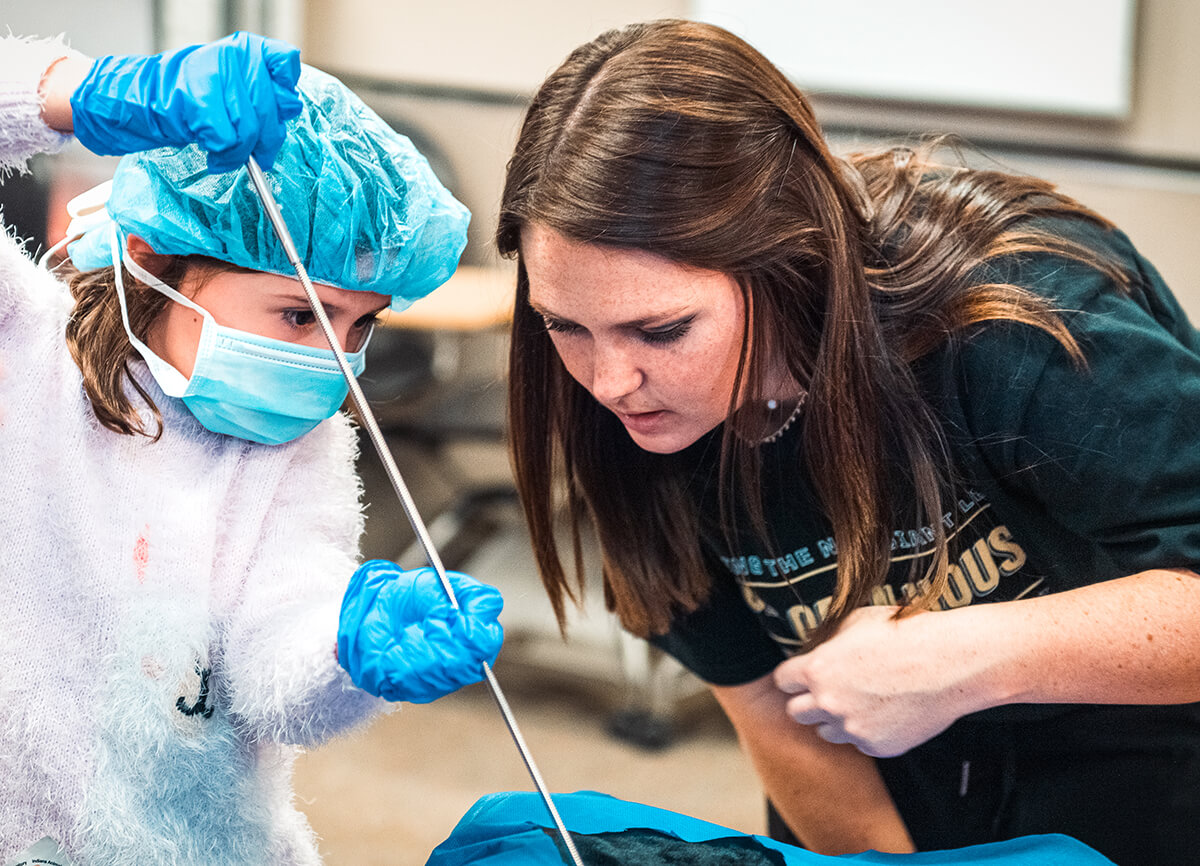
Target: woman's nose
614,375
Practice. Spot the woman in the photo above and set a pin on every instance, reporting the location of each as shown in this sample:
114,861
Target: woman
181,513
901,458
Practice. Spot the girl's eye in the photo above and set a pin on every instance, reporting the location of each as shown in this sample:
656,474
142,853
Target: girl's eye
669,334
370,320
299,318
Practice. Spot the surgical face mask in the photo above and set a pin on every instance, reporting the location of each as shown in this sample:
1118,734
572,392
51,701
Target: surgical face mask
243,384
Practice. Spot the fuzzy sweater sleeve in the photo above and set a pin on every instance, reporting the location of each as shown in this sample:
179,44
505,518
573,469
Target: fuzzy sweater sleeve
285,682
22,135
22,132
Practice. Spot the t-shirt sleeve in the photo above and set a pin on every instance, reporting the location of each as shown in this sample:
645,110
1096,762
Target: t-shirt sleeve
722,642
1111,451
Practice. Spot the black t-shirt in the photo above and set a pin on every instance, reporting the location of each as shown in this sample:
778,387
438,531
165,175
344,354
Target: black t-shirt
1069,477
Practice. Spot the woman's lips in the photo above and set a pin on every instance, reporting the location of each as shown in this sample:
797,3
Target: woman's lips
644,422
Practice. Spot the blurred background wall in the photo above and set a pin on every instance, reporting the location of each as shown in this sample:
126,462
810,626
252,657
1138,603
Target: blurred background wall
463,70
456,74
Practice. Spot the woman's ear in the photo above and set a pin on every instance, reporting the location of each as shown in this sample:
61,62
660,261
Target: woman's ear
142,253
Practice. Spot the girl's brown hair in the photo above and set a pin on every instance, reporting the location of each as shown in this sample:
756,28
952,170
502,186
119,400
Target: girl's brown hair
679,139
97,341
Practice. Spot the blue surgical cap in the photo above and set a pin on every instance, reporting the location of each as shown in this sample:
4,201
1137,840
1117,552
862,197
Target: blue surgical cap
362,204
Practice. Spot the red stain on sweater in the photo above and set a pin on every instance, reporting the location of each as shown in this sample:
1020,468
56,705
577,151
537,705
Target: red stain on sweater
141,555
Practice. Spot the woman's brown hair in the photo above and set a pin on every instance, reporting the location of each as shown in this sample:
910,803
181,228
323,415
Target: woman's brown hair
679,139
99,345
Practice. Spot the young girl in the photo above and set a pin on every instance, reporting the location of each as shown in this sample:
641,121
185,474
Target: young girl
902,458
181,513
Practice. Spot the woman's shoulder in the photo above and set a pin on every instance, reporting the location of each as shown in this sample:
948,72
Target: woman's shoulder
1129,334
1065,258
1092,277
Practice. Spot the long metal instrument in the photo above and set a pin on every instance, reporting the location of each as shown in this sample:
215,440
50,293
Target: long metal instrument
367,418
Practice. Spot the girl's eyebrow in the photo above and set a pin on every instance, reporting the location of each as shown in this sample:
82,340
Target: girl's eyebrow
301,300
298,298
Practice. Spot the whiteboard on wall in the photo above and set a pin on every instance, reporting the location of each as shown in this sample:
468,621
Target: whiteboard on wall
1061,56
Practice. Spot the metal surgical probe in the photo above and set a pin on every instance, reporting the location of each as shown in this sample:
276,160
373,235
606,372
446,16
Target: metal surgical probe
367,418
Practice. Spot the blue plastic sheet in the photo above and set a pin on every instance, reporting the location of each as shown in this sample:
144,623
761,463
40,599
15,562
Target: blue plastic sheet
511,828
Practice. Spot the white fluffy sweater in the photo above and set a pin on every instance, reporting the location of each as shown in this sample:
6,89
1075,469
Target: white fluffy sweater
168,609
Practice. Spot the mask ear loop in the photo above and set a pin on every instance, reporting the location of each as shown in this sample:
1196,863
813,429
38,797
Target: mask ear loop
144,276
87,211
44,261
172,382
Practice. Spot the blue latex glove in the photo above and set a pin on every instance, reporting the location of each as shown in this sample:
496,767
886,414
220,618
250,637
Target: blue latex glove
232,97
399,637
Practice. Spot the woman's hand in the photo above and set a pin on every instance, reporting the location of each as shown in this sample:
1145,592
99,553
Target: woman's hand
882,684
232,97
400,638
886,685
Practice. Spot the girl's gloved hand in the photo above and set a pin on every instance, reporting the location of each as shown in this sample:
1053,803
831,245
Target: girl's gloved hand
400,638
232,97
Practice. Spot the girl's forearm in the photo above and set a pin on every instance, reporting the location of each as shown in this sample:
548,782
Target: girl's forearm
58,83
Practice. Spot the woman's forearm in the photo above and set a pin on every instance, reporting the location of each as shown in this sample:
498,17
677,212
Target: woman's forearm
832,797
1134,640
886,685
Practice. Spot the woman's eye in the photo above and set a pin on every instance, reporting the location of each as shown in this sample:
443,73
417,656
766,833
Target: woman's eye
556,326
669,334
368,321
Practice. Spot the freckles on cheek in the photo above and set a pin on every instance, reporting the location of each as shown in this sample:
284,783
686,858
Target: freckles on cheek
571,361
714,370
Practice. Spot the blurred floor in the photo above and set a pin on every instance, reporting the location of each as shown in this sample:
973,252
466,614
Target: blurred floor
390,794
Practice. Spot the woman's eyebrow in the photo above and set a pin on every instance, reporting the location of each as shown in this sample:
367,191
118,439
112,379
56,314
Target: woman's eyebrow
655,319
539,309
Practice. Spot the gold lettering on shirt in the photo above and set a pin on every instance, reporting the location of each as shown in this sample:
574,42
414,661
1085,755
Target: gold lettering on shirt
974,575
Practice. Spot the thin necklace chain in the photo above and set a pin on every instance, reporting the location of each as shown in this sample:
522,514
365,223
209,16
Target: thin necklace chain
791,419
